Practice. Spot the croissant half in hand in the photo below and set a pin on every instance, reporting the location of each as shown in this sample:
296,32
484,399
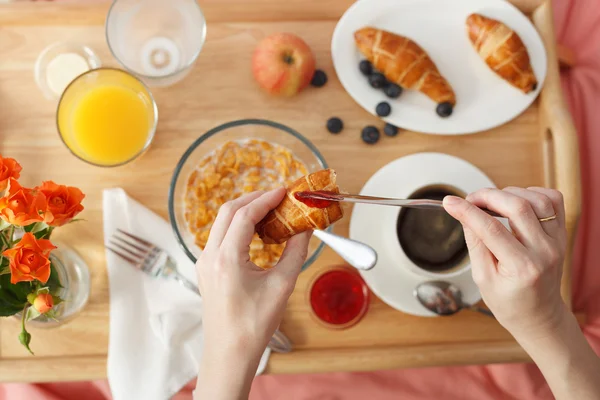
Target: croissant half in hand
502,50
404,62
291,216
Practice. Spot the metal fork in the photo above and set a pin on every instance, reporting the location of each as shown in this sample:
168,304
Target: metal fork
154,261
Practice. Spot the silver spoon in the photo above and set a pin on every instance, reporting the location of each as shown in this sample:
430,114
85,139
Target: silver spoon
443,298
357,254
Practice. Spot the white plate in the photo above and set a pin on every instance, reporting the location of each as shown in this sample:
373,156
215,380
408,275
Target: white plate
484,100
394,278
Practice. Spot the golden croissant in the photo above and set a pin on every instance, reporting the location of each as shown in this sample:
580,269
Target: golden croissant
502,50
292,217
404,62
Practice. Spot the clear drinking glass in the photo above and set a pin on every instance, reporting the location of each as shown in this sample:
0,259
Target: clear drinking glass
107,117
157,40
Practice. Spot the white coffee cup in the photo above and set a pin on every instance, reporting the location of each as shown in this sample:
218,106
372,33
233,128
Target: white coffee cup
397,252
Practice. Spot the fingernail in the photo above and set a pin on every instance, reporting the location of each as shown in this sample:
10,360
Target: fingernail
452,200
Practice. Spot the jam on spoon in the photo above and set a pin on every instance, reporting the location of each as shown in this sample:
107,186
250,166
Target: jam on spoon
307,198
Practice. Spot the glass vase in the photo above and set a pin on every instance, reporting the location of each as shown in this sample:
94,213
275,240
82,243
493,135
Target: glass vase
74,277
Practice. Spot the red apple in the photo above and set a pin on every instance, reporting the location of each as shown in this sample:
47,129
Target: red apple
283,64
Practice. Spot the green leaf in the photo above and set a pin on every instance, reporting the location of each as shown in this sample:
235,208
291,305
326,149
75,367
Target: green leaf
10,302
43,234
7,311
19,290
9,298
11,294
41,226
53,282
44,289
13,297
3,224
56,300
5,270
36,227
25,339
30,227
4,241
52,315
32,313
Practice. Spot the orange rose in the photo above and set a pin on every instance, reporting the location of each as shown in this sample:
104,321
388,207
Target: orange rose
21,206
29,259
43,302
64,203
9,168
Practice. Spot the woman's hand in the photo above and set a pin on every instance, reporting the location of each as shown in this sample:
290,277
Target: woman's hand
519,275
242,303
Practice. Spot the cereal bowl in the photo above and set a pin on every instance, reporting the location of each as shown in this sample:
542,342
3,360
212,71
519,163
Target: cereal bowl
227,161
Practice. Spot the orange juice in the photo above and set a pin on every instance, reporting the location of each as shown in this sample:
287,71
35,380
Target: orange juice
107,119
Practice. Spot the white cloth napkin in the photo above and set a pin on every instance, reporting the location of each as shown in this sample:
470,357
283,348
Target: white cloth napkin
155,340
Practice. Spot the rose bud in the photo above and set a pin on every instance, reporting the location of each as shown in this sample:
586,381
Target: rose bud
43,302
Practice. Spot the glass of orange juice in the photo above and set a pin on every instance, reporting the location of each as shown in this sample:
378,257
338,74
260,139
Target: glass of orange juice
107,117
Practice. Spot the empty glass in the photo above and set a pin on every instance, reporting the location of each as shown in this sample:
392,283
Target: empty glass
157,40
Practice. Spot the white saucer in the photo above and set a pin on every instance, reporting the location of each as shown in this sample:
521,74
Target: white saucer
395,277
484,100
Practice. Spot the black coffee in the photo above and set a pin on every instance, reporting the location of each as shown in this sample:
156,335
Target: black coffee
431,239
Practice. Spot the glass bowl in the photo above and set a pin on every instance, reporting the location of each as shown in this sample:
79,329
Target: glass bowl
259,129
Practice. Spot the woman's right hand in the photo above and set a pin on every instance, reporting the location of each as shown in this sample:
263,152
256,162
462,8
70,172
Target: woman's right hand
519,273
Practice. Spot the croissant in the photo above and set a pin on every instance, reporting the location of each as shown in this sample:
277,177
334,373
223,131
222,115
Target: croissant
404,62
291,216
502,50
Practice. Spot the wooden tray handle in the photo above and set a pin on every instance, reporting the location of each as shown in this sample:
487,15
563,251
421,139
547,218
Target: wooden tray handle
527,6
561,152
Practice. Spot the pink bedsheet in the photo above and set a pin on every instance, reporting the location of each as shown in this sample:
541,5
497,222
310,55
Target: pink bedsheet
578,28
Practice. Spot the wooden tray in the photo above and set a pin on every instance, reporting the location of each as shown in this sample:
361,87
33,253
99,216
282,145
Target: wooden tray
537,148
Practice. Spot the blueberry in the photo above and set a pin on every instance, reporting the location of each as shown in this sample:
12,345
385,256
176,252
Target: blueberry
377,80
383,109
370,134
319,78
390,130
444,109
392,91
335,125
365,67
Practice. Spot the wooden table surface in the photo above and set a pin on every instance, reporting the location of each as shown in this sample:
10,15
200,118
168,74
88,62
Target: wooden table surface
220,88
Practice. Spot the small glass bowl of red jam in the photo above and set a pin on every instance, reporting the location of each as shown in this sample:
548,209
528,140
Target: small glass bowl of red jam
338,298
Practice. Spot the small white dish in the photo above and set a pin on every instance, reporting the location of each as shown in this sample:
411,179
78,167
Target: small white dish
59,64
395,277
484,100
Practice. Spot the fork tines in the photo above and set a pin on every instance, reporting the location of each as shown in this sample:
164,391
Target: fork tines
129,247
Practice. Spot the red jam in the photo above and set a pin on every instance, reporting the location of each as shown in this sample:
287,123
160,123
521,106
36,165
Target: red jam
339,297
305,197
